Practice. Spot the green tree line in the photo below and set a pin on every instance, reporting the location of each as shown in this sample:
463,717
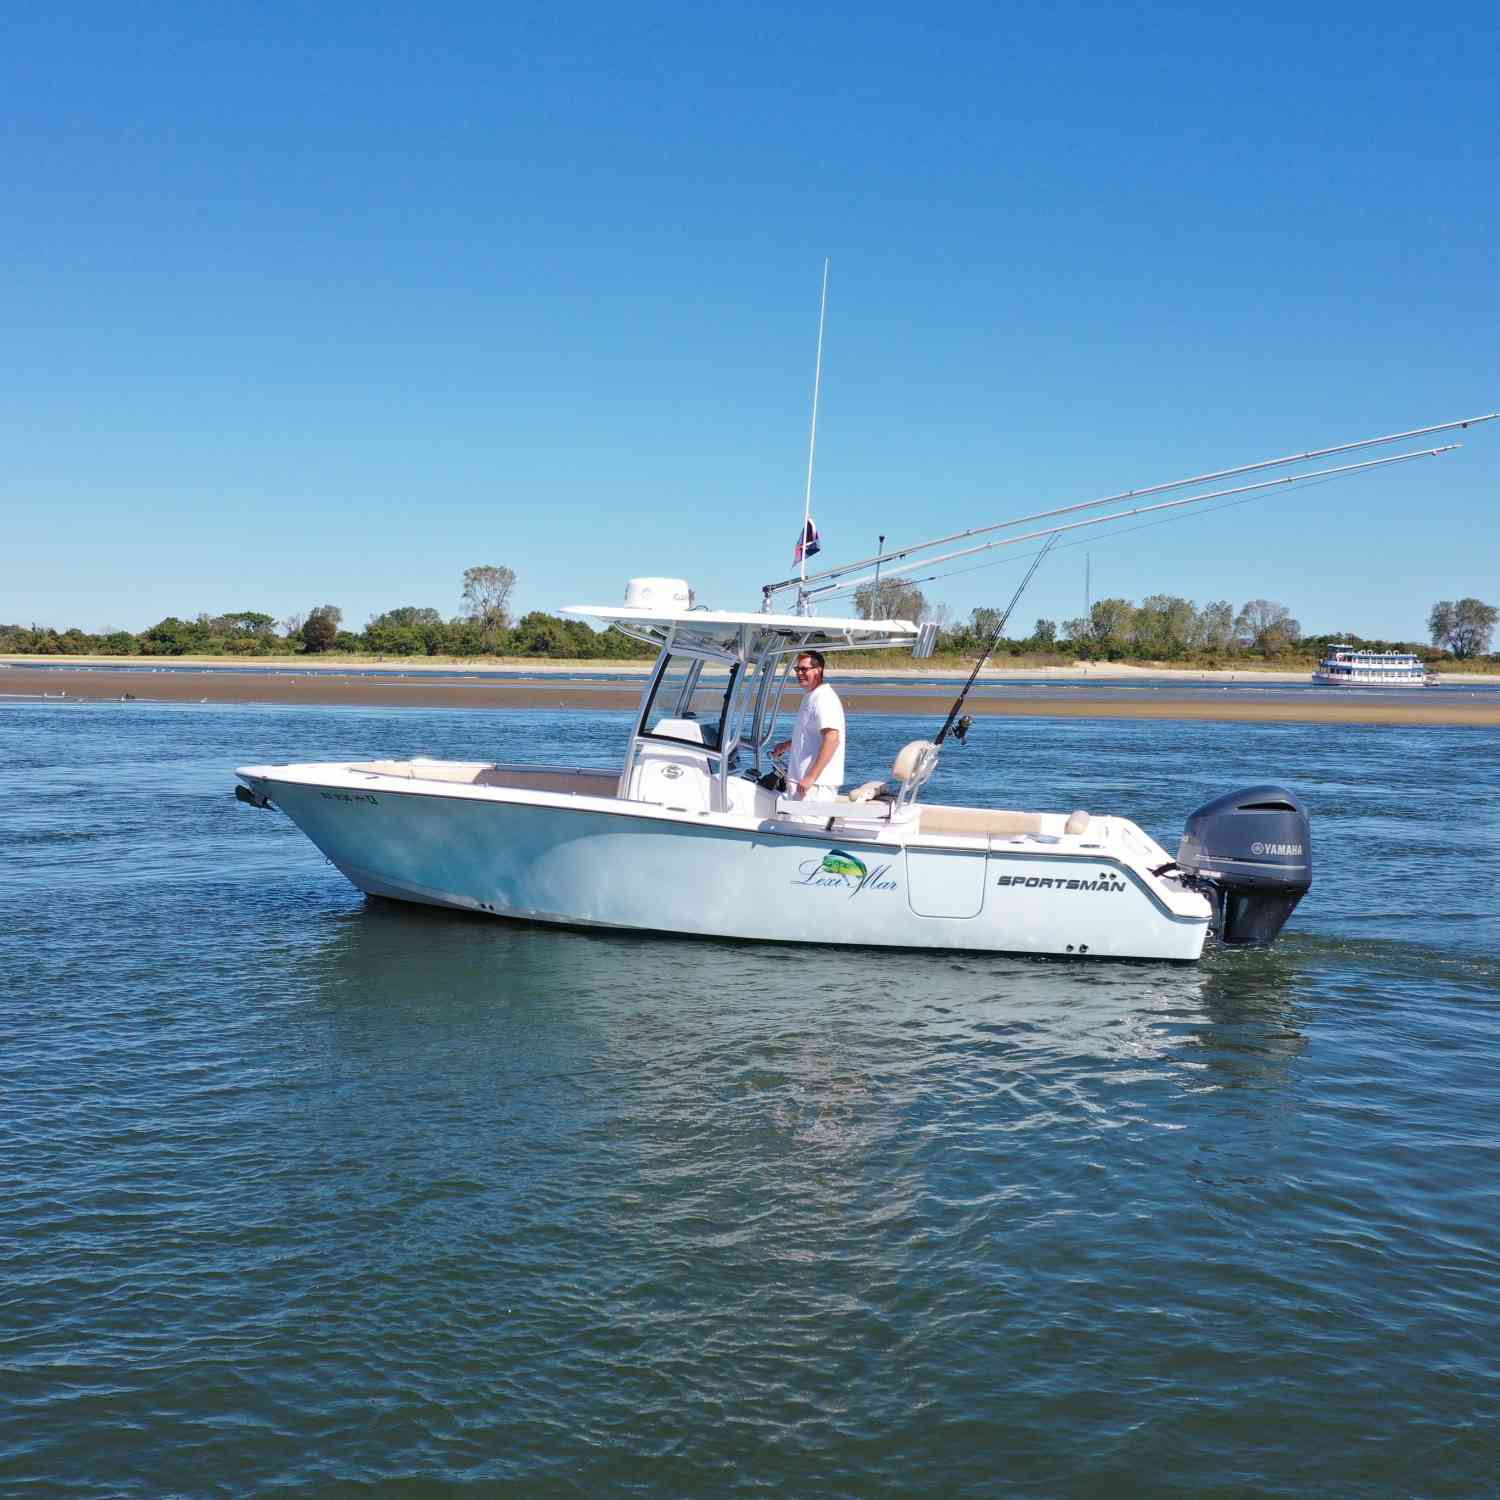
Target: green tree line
1169,628
1162,627
535,634
483,627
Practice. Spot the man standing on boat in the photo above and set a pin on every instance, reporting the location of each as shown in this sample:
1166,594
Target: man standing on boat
815,767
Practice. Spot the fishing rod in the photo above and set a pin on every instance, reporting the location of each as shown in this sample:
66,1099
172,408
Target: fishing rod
1140,510
960,727
802,581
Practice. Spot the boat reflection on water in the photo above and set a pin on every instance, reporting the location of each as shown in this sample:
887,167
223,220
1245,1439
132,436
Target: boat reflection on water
820,1037
792,1127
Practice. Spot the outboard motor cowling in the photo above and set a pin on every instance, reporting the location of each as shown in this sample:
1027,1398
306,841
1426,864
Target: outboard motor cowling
1251,850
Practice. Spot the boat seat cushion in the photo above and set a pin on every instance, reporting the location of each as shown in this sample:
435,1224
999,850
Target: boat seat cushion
908,758
979,820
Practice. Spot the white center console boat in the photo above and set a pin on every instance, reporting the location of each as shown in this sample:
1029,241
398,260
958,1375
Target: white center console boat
689,835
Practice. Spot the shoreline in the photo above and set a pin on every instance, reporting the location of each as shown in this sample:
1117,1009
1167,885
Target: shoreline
1106,671
328,687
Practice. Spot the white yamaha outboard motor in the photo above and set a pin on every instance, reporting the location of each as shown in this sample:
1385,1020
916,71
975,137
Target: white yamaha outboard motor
1250,852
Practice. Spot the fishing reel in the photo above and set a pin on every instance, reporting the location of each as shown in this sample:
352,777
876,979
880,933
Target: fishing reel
961,728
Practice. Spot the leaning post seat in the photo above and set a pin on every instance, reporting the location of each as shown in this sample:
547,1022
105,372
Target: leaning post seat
872,802
914,764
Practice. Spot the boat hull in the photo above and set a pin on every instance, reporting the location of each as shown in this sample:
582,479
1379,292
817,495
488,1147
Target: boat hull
587,862
1327,679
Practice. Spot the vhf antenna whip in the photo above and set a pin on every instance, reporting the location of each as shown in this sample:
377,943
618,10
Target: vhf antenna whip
812,448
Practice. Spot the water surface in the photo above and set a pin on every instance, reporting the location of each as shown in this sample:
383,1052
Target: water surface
310,1194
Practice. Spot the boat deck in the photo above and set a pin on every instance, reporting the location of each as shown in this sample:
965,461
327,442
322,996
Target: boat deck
935,818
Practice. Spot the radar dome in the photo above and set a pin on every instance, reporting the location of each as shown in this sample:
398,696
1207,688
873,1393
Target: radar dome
658,593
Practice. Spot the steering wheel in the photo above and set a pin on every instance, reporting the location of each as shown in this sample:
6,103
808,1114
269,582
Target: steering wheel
773,780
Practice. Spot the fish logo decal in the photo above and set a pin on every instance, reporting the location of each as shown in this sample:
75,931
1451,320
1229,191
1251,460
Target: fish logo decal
838,870
837,862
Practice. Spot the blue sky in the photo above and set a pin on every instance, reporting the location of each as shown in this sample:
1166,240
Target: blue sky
309,305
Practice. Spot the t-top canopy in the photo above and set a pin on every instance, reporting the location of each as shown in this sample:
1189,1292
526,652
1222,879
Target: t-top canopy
718,624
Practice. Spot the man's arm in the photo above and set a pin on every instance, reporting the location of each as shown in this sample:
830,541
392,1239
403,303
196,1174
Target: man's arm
826,751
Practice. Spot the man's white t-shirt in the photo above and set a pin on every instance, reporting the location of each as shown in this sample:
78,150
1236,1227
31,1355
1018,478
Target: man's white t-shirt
820,710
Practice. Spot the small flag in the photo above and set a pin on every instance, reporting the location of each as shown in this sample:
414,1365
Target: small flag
809,543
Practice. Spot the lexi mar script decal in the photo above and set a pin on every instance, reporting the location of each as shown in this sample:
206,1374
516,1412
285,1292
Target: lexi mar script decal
841,871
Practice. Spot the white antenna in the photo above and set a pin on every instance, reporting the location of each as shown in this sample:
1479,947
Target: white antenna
812,446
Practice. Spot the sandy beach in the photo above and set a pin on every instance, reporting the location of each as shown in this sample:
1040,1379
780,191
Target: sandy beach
544,687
